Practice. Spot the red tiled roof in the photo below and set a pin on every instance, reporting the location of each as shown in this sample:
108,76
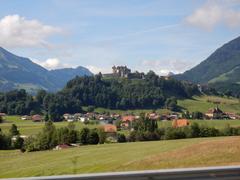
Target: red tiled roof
128,118
36,117
180,123
109,128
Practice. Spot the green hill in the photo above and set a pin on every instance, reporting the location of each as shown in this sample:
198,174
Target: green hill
122,93
220,70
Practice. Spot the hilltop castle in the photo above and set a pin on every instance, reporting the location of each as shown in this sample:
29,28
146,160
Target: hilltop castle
124,72
121,71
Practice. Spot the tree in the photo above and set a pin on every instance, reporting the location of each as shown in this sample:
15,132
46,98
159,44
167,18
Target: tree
197,115
14,130
32,112
72,132
145,124
102,136
195,130
47,138
83,136
40,96
90,108
5,141
93,137
46,117
1,119
228,93
30,144
186,114
171,104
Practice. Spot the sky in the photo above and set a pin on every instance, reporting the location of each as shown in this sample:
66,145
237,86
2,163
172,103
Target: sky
159,35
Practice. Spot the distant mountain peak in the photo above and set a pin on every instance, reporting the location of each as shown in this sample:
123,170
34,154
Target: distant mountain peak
19,72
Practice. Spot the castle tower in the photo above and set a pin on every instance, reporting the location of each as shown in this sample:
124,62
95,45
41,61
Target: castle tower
114,69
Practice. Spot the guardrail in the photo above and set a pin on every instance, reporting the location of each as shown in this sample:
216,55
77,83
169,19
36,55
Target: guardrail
213,173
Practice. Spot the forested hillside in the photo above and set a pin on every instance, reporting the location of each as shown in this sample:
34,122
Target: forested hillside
122,93
116,93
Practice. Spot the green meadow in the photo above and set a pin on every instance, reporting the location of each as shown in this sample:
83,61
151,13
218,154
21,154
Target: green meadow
122,157
203,103
27,127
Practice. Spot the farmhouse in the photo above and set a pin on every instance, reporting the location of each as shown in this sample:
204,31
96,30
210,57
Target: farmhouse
110,130
37,118
231,115
153,116
180,123
26,117
2,114
68,117
127,121
215,113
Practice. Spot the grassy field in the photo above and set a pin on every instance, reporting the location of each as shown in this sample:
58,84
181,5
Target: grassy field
30,128
203,103
122,157
129,111
197,103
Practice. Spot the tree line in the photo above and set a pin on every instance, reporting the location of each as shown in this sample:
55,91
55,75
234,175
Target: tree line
142,132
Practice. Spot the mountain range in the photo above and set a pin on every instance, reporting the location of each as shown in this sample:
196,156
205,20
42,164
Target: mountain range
21,73
220,70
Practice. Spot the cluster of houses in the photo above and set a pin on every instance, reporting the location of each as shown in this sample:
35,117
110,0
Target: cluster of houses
217,113
34,118
101,118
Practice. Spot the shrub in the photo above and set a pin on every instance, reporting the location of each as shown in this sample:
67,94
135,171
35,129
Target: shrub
30,144
14,130
121,138
5,141
132,136
18,143
174,133
102,135
208,132
83,136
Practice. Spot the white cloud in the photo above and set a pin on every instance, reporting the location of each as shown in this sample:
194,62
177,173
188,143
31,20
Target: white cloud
96,69
51,63
163,67
213,13
16,31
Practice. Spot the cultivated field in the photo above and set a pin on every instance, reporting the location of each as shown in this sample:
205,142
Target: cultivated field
122,157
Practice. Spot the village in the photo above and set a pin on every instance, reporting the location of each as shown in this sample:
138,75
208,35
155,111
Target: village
126,119
111,122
